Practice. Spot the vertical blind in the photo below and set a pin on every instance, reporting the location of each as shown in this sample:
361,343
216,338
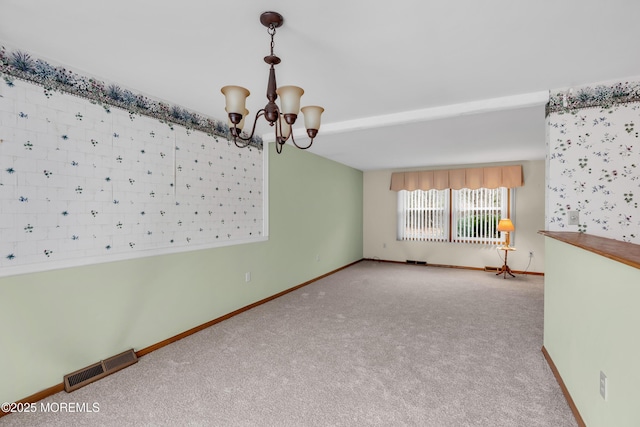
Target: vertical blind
423,215
471,216
475,215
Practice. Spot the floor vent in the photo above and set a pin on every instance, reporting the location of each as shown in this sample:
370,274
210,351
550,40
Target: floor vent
410,261
487,268
91,373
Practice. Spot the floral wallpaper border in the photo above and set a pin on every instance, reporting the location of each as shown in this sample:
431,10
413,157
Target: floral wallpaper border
20,65
601,96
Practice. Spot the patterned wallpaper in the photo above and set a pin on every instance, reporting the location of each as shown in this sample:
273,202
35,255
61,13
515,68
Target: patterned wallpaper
81,183
593,155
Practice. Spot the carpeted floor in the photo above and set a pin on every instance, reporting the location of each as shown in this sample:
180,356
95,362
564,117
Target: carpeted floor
376,344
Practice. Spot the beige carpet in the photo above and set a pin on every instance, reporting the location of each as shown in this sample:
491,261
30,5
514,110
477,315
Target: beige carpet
376,344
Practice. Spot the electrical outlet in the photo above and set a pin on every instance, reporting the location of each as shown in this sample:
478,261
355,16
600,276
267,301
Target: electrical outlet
530,254
317,257
247,276
603,385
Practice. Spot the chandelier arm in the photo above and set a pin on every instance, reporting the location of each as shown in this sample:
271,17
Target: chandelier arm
279,134
253,130
241,145
296,144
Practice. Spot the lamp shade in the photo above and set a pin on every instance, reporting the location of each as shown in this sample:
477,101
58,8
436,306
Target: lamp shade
312,115
235,97
505,225
290,99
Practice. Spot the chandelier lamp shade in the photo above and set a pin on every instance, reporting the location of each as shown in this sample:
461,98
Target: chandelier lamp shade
282,117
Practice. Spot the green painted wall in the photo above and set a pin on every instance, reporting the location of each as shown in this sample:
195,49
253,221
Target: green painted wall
59,321
591,321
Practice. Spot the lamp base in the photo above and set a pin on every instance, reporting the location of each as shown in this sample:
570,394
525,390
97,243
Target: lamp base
504,270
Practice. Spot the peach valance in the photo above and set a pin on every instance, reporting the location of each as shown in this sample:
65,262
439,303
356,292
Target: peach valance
473,178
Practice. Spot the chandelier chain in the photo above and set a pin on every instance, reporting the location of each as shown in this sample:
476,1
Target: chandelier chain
272,32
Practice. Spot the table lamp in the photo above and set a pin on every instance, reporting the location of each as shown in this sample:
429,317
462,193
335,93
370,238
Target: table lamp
505,225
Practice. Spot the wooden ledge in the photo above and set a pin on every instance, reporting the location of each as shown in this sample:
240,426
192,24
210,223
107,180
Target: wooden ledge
624,252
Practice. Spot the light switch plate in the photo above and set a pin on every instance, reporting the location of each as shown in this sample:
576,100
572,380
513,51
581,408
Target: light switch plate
574,218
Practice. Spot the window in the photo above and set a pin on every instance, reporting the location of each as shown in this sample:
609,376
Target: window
423,215
468,216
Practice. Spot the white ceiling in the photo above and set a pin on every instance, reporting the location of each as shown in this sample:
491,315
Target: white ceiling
404,83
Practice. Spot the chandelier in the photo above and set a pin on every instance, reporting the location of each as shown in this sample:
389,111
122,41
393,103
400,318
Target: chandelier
281,118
